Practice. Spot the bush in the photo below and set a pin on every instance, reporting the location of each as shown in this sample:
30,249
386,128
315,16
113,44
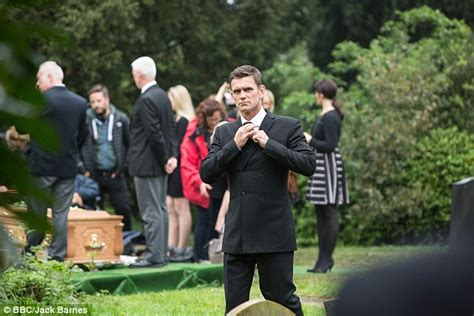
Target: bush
37,282
444,157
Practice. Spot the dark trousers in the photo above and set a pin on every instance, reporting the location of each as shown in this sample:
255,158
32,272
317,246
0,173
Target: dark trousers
275,272
116,189
328,229
62,190
202,233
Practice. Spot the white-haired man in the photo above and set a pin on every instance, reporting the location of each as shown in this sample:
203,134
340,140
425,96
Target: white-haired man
55,172
152,153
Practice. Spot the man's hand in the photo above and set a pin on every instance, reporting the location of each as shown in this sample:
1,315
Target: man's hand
204,189
308,137
261,138
171,165
243,134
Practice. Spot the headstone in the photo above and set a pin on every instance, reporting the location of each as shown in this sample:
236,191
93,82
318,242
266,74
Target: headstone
462,215
260,307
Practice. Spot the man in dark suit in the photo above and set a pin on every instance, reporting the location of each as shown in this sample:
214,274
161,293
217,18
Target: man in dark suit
152,155
55,172
257,151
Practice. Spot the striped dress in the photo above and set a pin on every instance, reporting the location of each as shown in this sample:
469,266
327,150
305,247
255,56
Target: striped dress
328,183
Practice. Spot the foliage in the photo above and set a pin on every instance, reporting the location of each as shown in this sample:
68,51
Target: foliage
195,43
438,160
37,282
334,21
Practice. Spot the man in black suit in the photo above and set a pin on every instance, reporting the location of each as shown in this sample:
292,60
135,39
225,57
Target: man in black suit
152,153
55,172
257,151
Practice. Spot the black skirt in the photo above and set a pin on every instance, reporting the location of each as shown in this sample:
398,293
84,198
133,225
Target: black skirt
175,185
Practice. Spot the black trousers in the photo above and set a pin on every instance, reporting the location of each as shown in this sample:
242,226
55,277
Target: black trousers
275,272
117,190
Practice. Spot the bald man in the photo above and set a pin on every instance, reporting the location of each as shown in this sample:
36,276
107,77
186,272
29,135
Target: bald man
55,171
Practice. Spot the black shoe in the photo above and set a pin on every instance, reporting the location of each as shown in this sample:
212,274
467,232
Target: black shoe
322,268
147,264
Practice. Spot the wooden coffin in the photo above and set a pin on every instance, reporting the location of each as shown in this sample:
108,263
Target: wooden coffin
92,235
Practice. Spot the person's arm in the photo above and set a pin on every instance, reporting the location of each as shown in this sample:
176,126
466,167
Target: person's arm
222,212
331,130
189,165
296,156
126,141
82,130
149,117
218,159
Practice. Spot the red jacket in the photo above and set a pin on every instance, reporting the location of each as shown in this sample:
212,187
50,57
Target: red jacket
193,150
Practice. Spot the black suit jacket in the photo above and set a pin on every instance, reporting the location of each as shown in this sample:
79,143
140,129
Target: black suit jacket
152,134
259,219
66,111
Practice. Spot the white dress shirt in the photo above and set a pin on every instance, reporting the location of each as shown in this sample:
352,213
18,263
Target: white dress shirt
257,119
148,85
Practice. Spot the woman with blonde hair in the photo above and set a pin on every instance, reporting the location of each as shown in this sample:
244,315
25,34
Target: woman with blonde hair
180,220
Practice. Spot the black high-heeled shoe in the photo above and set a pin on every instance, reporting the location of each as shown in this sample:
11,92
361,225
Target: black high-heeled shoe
322,268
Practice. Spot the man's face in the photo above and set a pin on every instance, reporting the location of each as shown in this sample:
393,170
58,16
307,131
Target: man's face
99,103
137,79
247,95
43,81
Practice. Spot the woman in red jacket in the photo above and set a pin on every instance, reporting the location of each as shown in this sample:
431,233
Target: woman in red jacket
194,149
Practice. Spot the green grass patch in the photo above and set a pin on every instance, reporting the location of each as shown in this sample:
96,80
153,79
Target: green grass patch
313,289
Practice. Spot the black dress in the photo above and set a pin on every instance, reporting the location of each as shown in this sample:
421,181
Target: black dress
328,183
175,186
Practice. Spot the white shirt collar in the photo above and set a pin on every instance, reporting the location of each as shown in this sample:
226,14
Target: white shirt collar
148,85
59,85
257,119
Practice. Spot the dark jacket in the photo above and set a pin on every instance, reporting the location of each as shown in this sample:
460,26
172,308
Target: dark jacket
120,141
152,134
66,111
259,219
88,189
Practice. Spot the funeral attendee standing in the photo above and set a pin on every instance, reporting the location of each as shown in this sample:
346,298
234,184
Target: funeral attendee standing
104,154
256,151
55,171
152,156
327,187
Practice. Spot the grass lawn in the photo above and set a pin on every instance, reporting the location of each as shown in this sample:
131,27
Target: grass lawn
313,289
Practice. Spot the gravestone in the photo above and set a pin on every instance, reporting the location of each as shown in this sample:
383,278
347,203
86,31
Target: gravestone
260,307
462,215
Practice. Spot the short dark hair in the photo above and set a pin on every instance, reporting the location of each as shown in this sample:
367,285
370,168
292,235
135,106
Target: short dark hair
99,88
246,71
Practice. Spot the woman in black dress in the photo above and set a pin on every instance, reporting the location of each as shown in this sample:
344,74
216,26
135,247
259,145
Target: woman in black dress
180,220
327,187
